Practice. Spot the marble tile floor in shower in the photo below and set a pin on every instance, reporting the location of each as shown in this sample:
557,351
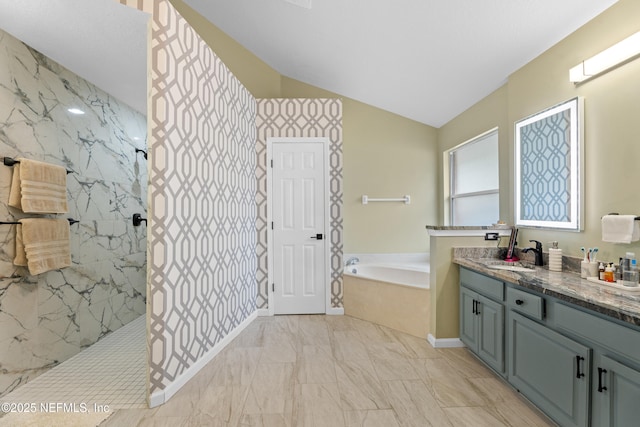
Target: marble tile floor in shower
110,373
337,371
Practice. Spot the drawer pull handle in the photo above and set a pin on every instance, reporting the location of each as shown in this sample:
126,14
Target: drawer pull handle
601,388
473,310
578,373
519,302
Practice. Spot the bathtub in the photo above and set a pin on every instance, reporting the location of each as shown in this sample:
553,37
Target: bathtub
397,274
390,292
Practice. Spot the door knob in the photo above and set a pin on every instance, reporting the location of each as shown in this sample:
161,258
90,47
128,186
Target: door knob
318,236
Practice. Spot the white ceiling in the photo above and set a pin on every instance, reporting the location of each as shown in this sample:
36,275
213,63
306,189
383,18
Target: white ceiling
428,60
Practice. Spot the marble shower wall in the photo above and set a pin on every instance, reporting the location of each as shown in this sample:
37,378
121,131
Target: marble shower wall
48,318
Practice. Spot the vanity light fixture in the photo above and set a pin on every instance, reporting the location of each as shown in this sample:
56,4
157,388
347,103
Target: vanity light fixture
617,54
75,111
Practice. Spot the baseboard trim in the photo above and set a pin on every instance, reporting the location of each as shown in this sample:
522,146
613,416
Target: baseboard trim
335,311
263,312
161,396
444,342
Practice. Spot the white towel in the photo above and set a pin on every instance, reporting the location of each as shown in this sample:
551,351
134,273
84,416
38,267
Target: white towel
38,187
620,229
42,244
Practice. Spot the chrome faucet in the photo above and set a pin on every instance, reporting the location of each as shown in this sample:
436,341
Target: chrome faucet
537,251
352,261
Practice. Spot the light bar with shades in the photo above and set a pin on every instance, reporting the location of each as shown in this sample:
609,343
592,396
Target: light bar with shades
617,54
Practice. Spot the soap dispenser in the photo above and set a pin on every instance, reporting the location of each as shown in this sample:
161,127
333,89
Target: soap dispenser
555,257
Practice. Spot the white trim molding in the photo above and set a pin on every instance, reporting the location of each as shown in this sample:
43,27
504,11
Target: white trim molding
162,396
444,342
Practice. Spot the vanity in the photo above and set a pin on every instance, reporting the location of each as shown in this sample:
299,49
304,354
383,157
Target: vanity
569,346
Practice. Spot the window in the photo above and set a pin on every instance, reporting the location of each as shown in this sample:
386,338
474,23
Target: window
473,183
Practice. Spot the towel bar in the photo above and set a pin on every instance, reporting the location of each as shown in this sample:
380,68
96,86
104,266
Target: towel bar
406,199
616,213
8,161
71,222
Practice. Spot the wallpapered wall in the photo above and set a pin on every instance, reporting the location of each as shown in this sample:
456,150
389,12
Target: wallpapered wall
301,118
204,184
46,319
202,189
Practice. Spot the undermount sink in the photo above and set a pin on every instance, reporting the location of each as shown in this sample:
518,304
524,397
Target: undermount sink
510,268
497,264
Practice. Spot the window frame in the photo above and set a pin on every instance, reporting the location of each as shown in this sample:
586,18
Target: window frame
452,173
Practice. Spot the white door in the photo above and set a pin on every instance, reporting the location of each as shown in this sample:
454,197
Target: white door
298,219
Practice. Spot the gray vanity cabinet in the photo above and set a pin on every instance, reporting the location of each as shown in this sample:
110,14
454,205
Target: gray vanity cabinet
550,369
482,319
615,389
616,394
579,367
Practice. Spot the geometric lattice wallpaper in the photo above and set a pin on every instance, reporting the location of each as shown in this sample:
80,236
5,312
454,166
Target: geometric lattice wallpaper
545,156
301,118
202,190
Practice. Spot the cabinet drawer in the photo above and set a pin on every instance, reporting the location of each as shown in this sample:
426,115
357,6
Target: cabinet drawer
617,338
525,303
487,286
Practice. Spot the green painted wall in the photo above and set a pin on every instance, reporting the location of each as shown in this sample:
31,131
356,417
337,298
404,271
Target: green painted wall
385,155
612,126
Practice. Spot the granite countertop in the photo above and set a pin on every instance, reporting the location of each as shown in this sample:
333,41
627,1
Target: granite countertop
468,227
565,286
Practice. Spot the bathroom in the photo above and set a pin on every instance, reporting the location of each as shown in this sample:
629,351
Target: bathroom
414,158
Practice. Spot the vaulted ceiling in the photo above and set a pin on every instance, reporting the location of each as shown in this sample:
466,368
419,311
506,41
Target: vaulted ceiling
428,60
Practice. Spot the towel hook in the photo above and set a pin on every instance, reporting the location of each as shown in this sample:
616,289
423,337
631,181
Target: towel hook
137,220
141,151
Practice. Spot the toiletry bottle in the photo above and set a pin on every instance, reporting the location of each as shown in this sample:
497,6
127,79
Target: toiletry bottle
555,257
630,272
622,264
601,271
608,273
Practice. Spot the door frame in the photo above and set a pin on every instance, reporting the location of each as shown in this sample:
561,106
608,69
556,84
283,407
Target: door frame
327,221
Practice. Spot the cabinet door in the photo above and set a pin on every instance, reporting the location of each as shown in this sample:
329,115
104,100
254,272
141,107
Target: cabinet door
616,394
468,323
491,333
551,370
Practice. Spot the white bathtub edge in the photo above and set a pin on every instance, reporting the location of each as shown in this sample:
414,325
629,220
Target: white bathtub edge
444,342
393,281
394,258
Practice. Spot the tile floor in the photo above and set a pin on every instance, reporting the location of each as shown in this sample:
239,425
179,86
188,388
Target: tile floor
110,372
337,371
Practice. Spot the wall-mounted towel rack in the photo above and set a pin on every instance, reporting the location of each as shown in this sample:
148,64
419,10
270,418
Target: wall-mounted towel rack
616,213
406,199
8,161
141,151
71,222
